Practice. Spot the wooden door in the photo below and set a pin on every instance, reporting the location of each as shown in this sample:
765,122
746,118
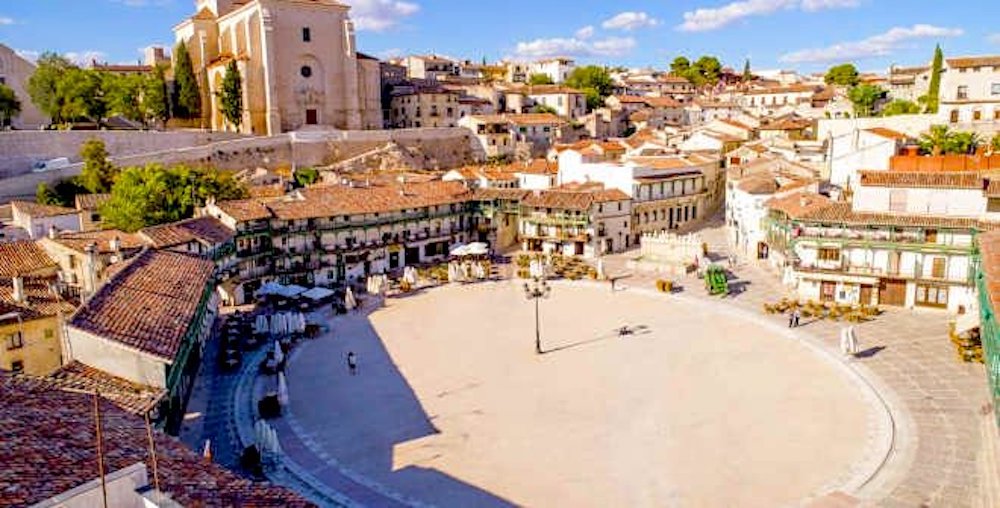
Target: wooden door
828,291
892,292
866,295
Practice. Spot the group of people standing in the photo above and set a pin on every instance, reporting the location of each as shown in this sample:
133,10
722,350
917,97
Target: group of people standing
848,336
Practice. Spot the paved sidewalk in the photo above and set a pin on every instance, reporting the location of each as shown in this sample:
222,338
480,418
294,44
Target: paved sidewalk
939,398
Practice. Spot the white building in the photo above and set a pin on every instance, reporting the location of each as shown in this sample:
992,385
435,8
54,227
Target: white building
970,90
870,149
557,69
586,221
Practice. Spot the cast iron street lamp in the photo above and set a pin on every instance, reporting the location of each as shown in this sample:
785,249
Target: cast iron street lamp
537,290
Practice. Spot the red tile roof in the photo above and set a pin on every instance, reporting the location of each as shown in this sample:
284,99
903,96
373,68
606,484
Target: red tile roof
887,133
799,205
149,304
102,239
989,247
565,199
535,119
48,448
90,201
973,61
339,200
131,397
40,300
244,210
841,213
23,257
207,230
39,210
929,180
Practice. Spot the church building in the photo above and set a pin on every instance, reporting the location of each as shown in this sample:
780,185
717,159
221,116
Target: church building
297,60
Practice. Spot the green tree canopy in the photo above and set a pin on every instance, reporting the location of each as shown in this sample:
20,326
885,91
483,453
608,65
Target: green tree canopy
151,195
545,108
305,177
747,75
540,79
934,88
10,106
98,174
43,85
680,66
231,95
124,94
901,107
155,101
187,103
81,95
865,97
62,193
592,80
843,75
995,143
940,139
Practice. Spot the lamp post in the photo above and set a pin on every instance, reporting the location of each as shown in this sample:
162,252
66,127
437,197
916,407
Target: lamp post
536,290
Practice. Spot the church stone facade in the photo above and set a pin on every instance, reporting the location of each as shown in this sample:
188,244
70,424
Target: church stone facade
297,59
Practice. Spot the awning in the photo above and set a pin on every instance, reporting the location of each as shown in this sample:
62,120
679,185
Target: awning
317,294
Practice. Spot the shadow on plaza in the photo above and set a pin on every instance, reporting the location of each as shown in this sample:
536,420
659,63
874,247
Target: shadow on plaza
383,412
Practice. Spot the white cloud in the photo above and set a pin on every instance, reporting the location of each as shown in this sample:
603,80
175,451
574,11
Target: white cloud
380,15
630,20
83,58
711,18
993,38
585,32
874,46
6,21
572,46
387,54
28,54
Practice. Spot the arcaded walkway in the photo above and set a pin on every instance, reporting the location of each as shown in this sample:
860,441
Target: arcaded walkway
703,406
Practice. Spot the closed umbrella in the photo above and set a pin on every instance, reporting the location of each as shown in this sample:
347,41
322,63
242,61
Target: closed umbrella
260,324
260,433
349,301
600,269
852,338
206,453
274,324
282,389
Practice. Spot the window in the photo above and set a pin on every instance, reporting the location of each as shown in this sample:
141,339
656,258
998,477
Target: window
306,71
49,333
995,89
14,341
827,254
930,236
954,116
932,296
938,268
16,366
306,34
962,92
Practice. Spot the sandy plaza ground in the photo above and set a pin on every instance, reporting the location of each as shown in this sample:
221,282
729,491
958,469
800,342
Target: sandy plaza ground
702,406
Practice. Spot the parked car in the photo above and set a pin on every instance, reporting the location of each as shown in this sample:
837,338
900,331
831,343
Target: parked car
49,165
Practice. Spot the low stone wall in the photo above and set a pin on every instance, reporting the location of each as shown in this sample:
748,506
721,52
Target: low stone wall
20,149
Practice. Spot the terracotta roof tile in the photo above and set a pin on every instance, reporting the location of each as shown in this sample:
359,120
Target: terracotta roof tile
566,199
799,205
103,239
90,201
48,448
339,200
989,246
245,209
40,300
973,61
841,213
39,210
23,257
149,303
207,230
930,180
131,397
887,133
535,119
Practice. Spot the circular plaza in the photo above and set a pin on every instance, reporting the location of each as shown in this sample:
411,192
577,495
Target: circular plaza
699,405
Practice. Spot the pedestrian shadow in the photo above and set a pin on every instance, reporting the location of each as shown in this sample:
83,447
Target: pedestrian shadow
870,352
632,331
360,420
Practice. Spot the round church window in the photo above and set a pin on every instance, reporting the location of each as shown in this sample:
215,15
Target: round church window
306,71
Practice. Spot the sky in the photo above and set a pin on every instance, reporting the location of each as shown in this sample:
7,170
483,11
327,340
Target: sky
807,35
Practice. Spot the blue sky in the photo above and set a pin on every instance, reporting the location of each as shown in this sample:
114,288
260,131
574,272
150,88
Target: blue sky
801,34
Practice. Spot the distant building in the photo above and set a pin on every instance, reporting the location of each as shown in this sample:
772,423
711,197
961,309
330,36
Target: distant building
970,90
557,69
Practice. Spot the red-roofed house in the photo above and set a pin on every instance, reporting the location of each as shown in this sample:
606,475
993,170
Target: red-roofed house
584,221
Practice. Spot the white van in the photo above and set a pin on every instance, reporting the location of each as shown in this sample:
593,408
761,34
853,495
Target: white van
49,165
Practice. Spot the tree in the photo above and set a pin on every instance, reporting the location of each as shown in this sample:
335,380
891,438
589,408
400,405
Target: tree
939,139
865,97
934,88
62,193
231,95
747,75
44,82
540,79
10,107
995,143
125,96
155,101
305,177
592,80
706,70
81,95
187,103
680,66
843,75
151,195
98,174
901,107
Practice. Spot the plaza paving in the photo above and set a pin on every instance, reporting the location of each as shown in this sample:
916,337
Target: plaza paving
703,406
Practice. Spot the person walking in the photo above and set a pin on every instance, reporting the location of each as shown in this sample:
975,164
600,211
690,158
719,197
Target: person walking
796,316
352,363
791,318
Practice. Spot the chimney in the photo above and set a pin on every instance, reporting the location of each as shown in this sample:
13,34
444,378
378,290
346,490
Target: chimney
90,270
115,244
53,232
803,200
18,293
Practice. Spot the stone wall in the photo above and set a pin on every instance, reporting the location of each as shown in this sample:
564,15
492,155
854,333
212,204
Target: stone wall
433,148
20,149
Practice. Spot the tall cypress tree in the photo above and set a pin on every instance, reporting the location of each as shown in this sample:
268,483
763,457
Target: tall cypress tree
747,75
934,89
155,99
187,102
231,95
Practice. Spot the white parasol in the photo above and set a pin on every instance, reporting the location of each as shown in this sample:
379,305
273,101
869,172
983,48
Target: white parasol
260,324
349,301
600,269
279,355
206,452
282,389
